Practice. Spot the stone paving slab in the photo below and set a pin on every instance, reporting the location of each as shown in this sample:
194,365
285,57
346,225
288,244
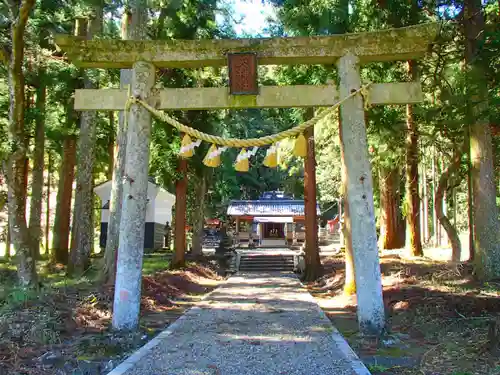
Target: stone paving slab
254,324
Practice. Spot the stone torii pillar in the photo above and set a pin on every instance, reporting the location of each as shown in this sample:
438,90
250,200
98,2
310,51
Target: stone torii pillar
371,315
135,190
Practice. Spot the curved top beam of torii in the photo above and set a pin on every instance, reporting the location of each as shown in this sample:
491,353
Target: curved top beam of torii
386,45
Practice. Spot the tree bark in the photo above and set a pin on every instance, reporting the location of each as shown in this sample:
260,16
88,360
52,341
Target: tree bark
180,215
312,260
35,220
26,266
435,223
440,211
111,147
201,191
425,204
359,191
414,245
116,199
444,233
8,241
63,201
486,222
83,228
127,296
470,206
47,214
350,277
390,212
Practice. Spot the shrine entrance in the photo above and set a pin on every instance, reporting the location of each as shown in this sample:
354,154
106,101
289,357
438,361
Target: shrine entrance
143,100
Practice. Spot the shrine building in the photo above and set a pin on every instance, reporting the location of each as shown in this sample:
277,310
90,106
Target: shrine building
274,220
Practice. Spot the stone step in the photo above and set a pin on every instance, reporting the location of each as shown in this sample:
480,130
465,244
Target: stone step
274,261
267,259
265,268
263,262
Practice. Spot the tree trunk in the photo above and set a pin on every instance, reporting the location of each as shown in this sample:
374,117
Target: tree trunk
180,215
444,234
63,201
425,204
35,220
26,266
486,222
8,241
312,260
116,199
440,210
127,296
201,191
435,223
83,228
390,213
47,214
111,146
350,278
414,245
359,192
470,207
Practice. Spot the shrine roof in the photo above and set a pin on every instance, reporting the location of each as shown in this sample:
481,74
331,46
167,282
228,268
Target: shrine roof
268,207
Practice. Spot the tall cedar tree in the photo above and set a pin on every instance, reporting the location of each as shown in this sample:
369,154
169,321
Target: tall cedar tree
486,222
26,267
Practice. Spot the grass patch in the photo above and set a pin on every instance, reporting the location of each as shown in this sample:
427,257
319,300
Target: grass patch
155,264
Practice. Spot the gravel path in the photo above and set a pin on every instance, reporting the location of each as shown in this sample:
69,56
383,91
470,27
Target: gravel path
258,324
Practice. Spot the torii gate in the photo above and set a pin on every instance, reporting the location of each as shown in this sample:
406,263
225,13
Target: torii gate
348,51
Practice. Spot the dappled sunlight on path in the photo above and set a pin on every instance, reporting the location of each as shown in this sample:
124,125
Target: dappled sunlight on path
253,324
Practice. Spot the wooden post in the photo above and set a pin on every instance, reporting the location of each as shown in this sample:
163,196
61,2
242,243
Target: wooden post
135,188
359,186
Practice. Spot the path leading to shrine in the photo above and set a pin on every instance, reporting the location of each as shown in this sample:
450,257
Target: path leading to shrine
253,324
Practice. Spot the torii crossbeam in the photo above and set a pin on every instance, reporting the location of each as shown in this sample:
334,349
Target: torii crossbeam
347,51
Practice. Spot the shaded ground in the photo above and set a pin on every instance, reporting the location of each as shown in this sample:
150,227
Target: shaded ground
439,318
64,329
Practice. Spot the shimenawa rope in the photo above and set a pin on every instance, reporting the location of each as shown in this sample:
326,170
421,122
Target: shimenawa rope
244,143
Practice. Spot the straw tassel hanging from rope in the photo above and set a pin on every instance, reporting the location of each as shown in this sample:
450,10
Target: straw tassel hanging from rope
212,159
300,148
188,146
242,161
242,164
271,159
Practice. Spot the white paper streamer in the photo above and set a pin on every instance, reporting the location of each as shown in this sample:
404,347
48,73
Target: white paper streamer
246,155
217,152
190,146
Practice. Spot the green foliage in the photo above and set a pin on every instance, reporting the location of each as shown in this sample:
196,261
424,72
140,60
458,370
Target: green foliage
378,368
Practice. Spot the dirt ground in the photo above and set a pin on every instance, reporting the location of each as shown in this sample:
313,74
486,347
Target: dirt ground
65,328
440,320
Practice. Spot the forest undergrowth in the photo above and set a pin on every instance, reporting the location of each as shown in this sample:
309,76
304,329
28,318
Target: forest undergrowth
440,320
65,327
